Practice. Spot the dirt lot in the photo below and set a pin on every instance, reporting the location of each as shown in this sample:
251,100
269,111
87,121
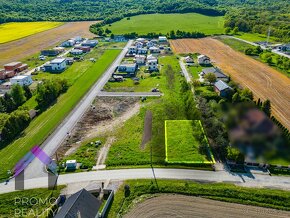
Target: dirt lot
19,49
147,134
186,206
264,81
105,115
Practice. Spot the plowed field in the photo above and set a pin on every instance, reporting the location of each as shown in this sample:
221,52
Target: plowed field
264,81
191,207
19,49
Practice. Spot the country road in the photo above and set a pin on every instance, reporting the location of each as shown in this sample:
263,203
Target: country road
51,144
248,180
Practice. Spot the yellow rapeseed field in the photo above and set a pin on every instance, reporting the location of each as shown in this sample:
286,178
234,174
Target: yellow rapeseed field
13,31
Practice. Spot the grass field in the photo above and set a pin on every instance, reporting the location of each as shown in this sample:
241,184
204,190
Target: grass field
270,198
255,37
27,202
183,139
164,23
126,150
83,76
14,31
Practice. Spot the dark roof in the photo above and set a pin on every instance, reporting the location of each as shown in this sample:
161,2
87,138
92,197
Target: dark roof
216,71
80,204
221,85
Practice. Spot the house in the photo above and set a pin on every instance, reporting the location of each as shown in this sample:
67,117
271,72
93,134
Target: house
80,204
142,40
90,43
222,88
77,39
132,50
119,38
130,69
139,45
217,72
56,66
15,67
154,49
203,60
68,43
50,53
188,60
5,86
152,65
76,52
10,74
85,49
140,59
59,49
2,74
69,61
151,57
150,44
21,80
142,51
162,39
116,78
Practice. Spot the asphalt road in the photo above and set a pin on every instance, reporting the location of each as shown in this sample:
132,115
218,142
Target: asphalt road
35,168
249,180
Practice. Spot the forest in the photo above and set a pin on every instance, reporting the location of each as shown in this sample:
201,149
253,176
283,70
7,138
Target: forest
248,15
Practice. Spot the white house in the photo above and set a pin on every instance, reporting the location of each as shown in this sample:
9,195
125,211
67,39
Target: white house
203,59
150,44
76,52
140,59
21,80
154,50
56,65
162,39
142,51
68,43
151,57
139,45
152,65
142,40
128,68
132,50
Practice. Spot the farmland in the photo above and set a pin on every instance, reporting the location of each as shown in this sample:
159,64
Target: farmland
22,48
184,140
142,189
164,23
265,82
83,76
14,31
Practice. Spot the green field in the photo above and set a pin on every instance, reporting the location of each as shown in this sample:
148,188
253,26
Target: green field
14,31
164,23
255,37
27,202
83,75
183,139
235,44
276,199
126,150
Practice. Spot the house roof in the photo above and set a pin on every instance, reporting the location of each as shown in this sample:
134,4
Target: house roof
216,71
12,64
80,204
188,59
153,48
140,56
127,65
221,85
20,77
202,56
57,61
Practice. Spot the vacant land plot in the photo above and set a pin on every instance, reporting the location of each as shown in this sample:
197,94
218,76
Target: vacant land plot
255,37
14,31
185,142
265,82
19,49
186,206
42,125
164,23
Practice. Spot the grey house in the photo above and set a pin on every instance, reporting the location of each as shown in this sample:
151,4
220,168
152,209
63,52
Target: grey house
222,88
216,71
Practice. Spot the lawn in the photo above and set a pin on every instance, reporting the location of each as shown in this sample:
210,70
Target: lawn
164,23
14,31
183,141
255,37
27,202
195,70
126,150
269,198
83,76
236,44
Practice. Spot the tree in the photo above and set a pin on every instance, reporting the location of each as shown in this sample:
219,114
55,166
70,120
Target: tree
107,31
235,30
18,95
228,30
236,98
27,92
266,107
210,77
247,94
9,103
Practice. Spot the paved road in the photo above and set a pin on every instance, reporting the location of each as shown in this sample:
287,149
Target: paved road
51,144
263,47
248,180
130,94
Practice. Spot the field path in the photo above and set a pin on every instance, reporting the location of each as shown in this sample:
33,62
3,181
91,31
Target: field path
19,49
264,81
187,206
